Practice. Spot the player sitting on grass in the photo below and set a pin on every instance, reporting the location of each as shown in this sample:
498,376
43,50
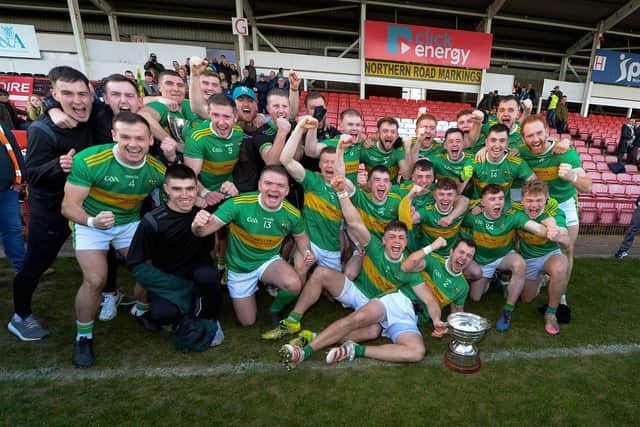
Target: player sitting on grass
175,267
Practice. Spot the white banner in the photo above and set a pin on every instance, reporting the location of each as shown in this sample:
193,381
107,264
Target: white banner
18,41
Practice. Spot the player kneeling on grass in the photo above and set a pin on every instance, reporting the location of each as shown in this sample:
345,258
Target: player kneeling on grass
493,231
258,223
543,254
176,269
102,197
392,312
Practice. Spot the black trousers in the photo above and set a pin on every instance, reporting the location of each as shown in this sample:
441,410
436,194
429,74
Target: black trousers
206,288
48,230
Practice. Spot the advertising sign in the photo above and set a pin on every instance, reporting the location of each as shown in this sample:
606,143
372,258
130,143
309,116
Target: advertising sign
18,41
19,89
427,45
422,72
616,68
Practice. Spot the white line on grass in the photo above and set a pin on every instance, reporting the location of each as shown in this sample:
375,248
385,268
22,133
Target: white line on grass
71,374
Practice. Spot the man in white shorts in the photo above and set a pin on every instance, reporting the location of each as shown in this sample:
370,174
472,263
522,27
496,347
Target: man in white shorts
103,196
258,223
544,255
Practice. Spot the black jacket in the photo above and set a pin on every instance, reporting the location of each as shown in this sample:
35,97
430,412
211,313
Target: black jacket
7,171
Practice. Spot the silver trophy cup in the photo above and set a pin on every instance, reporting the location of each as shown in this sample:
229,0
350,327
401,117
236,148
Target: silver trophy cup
176,124
467,329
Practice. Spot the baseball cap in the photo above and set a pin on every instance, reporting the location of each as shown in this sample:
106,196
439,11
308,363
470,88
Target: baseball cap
243,91
153,55
556,87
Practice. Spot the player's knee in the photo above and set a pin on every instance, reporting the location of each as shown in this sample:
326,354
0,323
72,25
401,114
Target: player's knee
518,267
414,352
475,297
372,332
292,283
358,319
94,282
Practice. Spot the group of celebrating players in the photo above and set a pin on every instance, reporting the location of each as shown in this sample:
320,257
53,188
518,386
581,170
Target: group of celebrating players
396,229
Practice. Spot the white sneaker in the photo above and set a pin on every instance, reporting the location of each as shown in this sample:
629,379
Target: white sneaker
347,351
219,337
109,308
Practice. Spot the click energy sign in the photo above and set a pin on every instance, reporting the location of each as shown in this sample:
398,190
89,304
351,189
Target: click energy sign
427,45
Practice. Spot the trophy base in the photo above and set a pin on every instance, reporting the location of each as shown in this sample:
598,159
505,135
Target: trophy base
467,368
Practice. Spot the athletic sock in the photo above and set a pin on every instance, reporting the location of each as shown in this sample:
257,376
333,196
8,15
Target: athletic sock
508,307
551,310
563,299
294,317
308,351
360,349
283,299
141,308
84,330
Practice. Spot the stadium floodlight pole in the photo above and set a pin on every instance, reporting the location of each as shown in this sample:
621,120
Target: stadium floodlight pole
588,84
242,53
363,17
78,36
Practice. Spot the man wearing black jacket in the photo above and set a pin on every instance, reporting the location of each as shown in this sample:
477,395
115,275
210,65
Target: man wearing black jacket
50,151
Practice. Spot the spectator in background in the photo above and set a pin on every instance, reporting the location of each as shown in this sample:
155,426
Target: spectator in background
154,66
182,71
554,98
273,80
283,83
34,108
252,71
234,71
262,86
531,93
247,80
149,86
176,66
8,113
627,145
11,183
630,234
234,82
562,114
226,90
129,74
223,67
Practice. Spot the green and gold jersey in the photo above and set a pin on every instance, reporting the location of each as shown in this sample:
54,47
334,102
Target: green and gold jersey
515,137
380,275
256,233
114,186
406,185
443,167
504,173
447,287
431,230
376,216
493,237
545,166
532,246
184,113
377,156
322,212
351,157
218,155
426,153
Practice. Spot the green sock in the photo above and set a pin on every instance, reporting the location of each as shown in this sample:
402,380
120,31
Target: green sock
141,308
551,310
283,299
294,317
360,349
508,307
84,330
308,351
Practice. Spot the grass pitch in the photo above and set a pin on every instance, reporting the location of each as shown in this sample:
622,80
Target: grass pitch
587,375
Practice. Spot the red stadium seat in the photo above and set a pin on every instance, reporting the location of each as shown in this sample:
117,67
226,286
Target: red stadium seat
616,190
602,167
624,178
21,138
631,191
596,177
631,169
588,216
607,216
635,179
589,166
600,190
609,177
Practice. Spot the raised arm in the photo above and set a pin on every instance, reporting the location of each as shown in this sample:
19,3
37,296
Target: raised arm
578,177
426,296
197,103
415,261
271,155
205,223
312,147
474,133
294,97
351,216
295,169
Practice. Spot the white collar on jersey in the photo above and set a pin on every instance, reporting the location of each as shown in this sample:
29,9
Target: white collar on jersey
115,155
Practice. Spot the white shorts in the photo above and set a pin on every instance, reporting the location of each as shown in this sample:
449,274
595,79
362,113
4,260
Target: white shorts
399,316
325,258
535,266
570,209
93,239
351,297
242,285
489,270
